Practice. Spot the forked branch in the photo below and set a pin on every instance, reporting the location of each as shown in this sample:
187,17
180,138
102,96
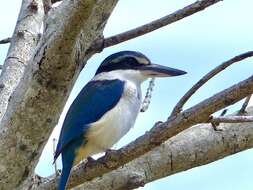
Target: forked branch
158,134
178,108
181,152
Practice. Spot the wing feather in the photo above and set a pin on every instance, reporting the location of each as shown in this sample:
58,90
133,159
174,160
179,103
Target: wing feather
94,100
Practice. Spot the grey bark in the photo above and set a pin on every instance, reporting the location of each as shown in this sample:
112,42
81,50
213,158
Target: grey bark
40,95
157,135
38,75
196,146
23,42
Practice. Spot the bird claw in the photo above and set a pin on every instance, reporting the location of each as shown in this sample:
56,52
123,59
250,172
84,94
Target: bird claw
90,159
158,123
108,151
109,154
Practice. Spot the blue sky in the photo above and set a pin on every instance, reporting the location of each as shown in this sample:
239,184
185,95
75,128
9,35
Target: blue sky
195,44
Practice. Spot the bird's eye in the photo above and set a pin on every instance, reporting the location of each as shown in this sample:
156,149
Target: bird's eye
131,62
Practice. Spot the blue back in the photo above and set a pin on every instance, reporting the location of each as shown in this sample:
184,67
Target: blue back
94,100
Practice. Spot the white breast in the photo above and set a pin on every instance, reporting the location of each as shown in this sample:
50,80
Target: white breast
104,133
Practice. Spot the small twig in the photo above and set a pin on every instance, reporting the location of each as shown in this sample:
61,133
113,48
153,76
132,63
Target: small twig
55,164
147,99
100,44
5,41
1,67
216,124
224,112
208,76
244,105
231,119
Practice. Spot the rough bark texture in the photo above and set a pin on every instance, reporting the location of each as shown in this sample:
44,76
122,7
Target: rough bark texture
193,147
41,94
206,78
157,135
23,42
39,73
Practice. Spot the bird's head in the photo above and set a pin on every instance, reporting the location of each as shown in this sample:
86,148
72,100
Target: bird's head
135,65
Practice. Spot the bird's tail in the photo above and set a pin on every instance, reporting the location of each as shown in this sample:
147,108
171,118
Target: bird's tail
68,157
64,177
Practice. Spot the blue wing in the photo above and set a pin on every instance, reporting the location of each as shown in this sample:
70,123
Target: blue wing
94,100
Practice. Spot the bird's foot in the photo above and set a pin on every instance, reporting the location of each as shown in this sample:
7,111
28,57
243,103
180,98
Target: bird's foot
110,155
110,151
158,123
90,159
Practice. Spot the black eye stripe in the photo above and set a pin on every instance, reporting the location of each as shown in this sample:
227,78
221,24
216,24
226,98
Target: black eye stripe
122,61
126,63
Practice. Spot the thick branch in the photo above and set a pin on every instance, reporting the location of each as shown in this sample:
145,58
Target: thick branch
24,41
38,100
207,77
196,146
100,44
158,134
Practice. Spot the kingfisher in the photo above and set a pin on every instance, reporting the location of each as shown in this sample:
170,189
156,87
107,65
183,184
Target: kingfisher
106,108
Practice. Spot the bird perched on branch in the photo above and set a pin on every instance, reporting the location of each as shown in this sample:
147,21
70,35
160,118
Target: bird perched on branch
106,108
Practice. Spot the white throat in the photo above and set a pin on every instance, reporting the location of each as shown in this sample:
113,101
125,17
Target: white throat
118,121
133,76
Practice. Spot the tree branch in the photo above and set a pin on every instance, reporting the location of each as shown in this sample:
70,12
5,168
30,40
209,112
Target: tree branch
157,135
24,41
40,94
231,119
100,44
193,147
196,146
207,77
38,99
5,41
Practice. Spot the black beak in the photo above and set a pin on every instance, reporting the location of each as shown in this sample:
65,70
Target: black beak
154,70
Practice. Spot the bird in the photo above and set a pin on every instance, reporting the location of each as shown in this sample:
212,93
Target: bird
106,108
